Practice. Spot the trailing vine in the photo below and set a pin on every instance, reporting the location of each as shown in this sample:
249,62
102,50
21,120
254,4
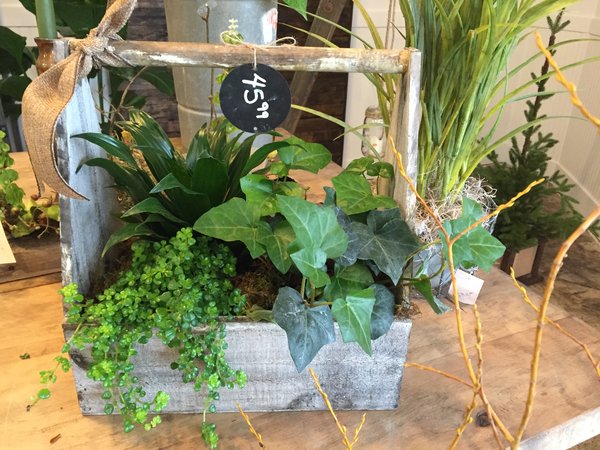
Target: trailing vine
171,288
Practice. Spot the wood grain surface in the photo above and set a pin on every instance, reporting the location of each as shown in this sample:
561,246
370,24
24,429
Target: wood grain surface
430,408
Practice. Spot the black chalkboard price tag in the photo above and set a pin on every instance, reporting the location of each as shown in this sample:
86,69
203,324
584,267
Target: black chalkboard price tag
255,100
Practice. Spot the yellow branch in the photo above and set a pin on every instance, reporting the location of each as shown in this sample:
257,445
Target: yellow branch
566,83
349,445
255,433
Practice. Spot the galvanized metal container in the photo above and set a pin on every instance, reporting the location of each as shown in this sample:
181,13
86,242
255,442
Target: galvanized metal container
257,22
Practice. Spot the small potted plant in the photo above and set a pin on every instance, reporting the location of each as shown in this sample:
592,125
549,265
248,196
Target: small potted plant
548,211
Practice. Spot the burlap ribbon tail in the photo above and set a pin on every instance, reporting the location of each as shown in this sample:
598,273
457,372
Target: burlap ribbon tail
48,95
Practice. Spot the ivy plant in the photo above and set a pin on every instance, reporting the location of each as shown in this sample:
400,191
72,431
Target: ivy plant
20,216
338,249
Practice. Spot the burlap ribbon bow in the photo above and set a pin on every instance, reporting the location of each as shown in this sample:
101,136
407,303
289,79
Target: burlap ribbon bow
48,95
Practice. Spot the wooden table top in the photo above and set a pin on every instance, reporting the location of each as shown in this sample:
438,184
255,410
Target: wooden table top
566,410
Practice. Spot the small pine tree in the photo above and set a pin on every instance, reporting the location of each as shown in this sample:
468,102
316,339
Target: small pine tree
529,220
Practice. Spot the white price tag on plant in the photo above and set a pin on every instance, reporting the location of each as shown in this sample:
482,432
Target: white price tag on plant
6,254
468,286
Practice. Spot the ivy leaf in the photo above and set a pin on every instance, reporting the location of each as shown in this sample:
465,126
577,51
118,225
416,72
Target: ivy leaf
354,196
315,226
381,169
387,241
383,311
351,254
476,248
423,285
304,155
360,165
310,262
277,244
353,315
235,220
263,192
348,279
259,191
307,329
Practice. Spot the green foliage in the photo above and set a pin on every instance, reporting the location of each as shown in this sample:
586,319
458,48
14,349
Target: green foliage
387,241
310,240
15,60
530,220
171,288
21,217
308,329
465,52
168,190
353,315
477,247
298,5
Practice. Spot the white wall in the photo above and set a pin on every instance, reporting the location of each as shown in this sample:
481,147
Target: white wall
578,151
13,15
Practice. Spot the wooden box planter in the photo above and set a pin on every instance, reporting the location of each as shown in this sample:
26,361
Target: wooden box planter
352,379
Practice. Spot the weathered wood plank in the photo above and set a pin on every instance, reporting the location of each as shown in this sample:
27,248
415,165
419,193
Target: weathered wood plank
303,82
84,225
353,379
404,132
310,59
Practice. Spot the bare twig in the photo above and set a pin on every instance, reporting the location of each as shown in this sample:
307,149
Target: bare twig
595,362
439,372
255,433
537,349
347,443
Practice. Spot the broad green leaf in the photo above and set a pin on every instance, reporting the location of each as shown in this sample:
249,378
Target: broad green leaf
209,177
353,315
13,44
289,189
346,280
387,241
297,5
352,251
478,247
171,182
235,220
111,146
354,196
129,180
381,169
128,231
304,155
307,329
277,244
423,285
315,226
329,196
14,86
161,78
383,311
310,261
152,206
360,165
259,192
